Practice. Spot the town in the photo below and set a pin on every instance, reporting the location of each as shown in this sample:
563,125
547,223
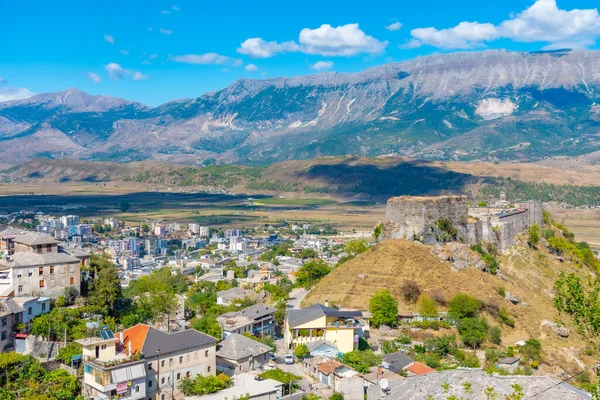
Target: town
167,310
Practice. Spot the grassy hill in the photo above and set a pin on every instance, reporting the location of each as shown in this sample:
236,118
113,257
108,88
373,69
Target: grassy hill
375,179
530,274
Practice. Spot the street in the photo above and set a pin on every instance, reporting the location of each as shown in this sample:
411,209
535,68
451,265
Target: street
296,297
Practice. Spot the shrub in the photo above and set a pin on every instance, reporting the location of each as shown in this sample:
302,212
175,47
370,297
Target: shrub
433,360
505,318
501,291
473,331
463,306
495,335
301,352
533,235
410,291
427,306
532,349
384,309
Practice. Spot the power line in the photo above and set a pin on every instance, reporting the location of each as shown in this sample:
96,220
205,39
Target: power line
563,381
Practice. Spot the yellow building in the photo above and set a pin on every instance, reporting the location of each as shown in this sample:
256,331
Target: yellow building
319,322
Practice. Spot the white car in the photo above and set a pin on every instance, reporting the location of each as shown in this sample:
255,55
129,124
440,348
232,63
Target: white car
288,359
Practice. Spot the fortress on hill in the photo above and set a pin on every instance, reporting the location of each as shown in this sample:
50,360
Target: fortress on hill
429,219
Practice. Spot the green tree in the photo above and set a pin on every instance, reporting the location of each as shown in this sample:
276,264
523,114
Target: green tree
427,306
311,273
384,309
377,231
301,352
105,290
145,228
288,379
533,235
356,247
66,354
201,385
361,360
473,331
209,325
463,306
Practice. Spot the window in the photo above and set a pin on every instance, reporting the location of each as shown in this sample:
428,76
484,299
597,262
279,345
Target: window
42,283
29,311
178,376
149,366
150,383
137,388
72,280
38,249
52,270
162,380
187,374
209,368
162,363
19,273
20,289
43,306
181,360
103,347
3,336
41,271
163,397
4,321
205,353
48,248
30,273
72,268
170,362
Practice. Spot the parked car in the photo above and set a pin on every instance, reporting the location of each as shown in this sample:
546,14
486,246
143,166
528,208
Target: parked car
271,356
288,359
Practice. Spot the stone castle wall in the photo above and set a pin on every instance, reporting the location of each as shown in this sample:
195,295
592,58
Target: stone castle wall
415,218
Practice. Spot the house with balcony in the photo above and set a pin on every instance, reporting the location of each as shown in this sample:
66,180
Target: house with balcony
111,371
37,266
319,322
170,357
261,317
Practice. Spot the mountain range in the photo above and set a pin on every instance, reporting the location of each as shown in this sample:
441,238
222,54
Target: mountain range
490,105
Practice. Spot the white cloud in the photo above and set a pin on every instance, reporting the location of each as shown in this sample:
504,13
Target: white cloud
109,38
165,31
394,26
138,76
207,58
411,44
116,72
94,77
322,65
542,22
126,52
8,93
251,68
175,8
463,36
258,48
345,40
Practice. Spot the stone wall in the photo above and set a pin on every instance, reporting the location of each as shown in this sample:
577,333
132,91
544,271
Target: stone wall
415,218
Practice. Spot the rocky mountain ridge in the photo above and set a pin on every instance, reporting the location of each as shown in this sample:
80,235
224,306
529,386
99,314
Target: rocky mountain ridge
491,105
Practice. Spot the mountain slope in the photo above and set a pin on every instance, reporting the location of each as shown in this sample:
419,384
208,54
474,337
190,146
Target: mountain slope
481,105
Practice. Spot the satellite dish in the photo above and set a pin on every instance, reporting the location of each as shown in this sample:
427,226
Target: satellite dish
384,384
89,325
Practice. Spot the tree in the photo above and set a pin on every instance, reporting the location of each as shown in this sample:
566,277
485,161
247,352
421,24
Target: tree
581,302
66,354
427,306
145,228
532,349
200,385
463,306
288,379
377,231
473,331
384,309
410,291
361,360
301,352
311,273
209,325
105,290
356,247
533,235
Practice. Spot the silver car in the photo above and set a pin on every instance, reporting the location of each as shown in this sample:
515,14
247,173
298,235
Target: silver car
288,359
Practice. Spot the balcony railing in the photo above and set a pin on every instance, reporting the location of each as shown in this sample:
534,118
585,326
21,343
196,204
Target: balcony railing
116,362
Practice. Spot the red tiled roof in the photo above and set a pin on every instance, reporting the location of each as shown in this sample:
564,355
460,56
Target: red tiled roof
418,368
136,335
329,366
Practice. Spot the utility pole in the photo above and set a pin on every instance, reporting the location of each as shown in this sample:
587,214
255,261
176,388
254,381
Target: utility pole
158,373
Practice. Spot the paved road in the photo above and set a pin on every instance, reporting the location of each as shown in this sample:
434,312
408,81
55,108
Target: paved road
296,297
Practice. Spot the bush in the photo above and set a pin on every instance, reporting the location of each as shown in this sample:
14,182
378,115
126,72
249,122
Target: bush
463,306
533,235
532,349
495,335
337,396
505,318
410,291
361,360
433,360
427,306
441,346
301,352
384,309
473,331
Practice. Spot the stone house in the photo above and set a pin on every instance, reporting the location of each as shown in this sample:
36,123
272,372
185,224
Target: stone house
237,354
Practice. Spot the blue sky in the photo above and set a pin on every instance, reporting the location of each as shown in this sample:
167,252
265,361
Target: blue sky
156,51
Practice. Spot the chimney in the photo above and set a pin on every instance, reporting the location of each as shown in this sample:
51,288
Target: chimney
326,303
121,337
379,370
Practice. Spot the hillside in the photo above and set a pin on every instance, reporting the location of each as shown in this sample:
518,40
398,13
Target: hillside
529,274
491,105
374,179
